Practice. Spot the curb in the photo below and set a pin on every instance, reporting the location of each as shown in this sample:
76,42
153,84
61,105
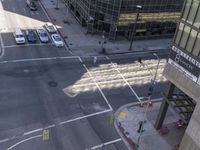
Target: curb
139,51
120,130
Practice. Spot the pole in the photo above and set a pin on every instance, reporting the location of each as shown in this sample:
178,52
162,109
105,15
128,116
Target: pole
134,27
154,79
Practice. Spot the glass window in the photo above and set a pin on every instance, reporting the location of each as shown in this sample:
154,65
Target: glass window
191,40
196,49
184,36
179,32
197,19
193,11
186,10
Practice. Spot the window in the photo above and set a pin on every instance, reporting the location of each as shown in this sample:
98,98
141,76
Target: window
191,40
197,19
186,10
184,36
196,49
179,32
193,11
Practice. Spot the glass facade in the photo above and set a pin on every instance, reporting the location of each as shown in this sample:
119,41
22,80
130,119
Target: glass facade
157,18
188,31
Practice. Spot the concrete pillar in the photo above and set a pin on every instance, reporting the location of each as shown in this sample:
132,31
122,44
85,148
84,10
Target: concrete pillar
164,106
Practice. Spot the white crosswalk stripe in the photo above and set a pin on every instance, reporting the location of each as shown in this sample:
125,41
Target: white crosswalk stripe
107,77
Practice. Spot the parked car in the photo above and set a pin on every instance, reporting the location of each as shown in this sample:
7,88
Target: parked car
50,28
42,33
57,40
31,4
19,36
31,36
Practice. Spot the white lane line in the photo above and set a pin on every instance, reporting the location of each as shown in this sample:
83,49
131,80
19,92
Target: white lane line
50,126
11,46
80,59
37,59
138,98
83,117
4,140
104,144
33,131
37,136
98,87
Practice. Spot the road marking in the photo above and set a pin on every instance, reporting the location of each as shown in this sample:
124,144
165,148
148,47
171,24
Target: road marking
80,59
104,144
98,87
33,131
86,116
28,139
37,59
50,126
138,98
39,44
4,140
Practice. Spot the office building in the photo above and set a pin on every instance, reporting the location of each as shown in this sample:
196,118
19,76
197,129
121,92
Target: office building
156,18
183,72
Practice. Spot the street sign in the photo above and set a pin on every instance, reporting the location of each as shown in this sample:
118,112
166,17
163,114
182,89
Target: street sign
45,135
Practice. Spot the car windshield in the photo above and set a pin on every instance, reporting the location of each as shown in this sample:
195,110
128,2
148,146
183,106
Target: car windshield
57,38
19,36
43,34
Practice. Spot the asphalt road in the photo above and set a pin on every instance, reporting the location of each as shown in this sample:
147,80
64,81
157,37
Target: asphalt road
44,87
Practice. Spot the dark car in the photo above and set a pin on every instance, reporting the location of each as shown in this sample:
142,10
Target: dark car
31,4
31,36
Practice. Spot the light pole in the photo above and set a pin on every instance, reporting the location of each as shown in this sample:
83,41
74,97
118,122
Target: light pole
138,7
154,79
141,123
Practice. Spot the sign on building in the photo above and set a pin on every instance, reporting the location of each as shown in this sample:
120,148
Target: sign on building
185,63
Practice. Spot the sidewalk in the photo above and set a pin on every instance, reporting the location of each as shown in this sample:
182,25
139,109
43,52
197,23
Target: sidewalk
81,43
127,124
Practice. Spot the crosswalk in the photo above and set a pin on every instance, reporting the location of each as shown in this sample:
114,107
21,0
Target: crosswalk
107,76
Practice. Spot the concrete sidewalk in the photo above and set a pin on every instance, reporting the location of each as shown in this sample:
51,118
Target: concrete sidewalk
81,43
127,124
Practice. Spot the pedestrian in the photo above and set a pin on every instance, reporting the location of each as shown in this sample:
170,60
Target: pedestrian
95,59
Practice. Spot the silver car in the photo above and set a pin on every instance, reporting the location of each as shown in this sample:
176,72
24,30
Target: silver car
42,33
50,28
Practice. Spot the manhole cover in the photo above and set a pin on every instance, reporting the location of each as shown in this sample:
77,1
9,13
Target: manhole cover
53,83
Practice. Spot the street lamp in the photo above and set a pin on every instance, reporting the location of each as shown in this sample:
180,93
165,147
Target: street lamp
154,79
141,123
138,7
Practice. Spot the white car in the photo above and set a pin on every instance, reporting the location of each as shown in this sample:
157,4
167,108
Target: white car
57,40
19,36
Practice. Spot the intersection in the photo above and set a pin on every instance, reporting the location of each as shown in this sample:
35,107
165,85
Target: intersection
44,87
